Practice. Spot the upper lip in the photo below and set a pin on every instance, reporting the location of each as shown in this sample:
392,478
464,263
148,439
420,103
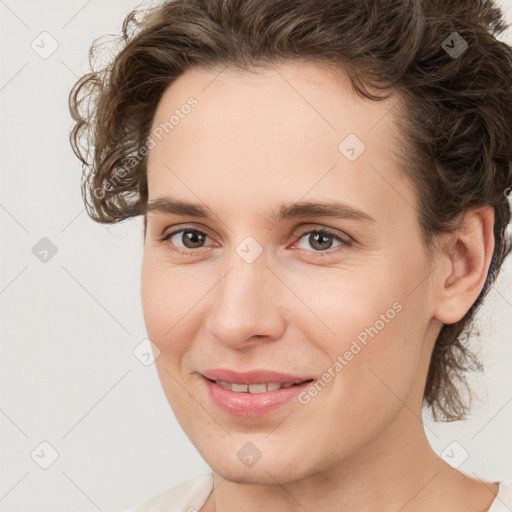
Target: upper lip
252,376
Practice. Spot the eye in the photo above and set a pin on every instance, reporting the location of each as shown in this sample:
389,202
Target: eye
321,241
191,239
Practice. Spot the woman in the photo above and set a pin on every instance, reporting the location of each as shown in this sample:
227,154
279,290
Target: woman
324,191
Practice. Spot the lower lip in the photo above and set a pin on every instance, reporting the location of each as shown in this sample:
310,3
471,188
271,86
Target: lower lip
252,404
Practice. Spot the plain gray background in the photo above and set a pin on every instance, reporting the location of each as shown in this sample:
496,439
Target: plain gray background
70,324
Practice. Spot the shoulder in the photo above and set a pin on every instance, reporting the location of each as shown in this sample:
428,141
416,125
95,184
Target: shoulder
184,497
503,500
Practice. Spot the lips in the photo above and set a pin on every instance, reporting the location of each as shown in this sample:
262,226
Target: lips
254,393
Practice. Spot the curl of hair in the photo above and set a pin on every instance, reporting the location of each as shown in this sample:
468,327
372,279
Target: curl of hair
454,118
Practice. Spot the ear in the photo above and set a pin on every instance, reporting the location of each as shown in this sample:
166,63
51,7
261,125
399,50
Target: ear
463,264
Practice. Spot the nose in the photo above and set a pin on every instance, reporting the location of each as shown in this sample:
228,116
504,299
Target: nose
246,305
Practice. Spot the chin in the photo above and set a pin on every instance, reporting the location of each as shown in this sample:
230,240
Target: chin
265,475
276,468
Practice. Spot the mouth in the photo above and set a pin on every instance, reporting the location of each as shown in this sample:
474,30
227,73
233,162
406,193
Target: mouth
252,394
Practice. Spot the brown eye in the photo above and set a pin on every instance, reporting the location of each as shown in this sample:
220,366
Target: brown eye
192,239
185,240
321,241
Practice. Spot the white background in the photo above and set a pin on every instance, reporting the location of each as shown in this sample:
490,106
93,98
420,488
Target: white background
69,326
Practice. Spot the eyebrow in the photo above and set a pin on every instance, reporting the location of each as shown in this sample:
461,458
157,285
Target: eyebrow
332,209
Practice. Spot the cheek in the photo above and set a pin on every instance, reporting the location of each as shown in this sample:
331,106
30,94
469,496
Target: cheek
159,292
162,303
367,382
345,304
172,298
375,336
153,299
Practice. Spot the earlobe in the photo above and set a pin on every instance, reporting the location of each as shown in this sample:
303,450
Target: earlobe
465,264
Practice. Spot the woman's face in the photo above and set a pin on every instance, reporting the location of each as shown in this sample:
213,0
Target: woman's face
243,288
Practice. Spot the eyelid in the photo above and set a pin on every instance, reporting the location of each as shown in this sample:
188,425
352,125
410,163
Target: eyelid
343,237
178,228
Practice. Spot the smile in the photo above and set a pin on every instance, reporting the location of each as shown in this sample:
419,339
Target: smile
254,388
252,394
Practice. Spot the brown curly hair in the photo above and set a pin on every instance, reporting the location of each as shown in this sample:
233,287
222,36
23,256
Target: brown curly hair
455,110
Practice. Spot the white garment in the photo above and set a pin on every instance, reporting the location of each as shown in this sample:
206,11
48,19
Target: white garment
190,496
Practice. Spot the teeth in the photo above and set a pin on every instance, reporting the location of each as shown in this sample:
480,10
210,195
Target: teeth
257,388
253,388
241,388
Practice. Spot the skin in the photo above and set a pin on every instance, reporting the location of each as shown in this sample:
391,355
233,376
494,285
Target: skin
253,142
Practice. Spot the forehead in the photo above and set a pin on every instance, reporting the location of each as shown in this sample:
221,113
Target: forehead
290,130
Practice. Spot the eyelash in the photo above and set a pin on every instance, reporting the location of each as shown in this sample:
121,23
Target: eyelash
344,241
